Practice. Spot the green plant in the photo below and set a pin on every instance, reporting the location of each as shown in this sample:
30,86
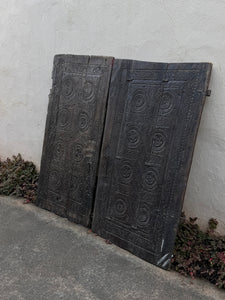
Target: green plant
200,254
19,178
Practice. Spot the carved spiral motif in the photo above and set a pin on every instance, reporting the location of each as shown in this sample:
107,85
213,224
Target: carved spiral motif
158,141
64,117
54,180
120,207
166,104
77,153
139,101
150,179
126,172
143,216
59,150
83,122
88,91
67,86
133,137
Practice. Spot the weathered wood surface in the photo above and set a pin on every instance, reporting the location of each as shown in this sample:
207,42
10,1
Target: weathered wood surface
73,134
152,120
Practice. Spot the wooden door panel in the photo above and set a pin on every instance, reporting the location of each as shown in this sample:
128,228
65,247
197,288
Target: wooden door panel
73,135
153,114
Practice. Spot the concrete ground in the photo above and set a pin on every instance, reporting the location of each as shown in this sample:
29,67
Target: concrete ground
43,256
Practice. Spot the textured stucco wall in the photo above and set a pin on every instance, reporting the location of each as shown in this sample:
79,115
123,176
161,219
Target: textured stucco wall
32,31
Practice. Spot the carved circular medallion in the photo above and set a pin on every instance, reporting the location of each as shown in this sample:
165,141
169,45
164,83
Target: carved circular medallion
59,150
138,101
143,216
54,180
126,172
67,86
166,104
88,91
133,137
77,153
158,141
150,179
64,117
120,207
83,122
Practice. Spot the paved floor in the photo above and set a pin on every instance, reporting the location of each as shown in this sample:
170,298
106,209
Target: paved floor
43,256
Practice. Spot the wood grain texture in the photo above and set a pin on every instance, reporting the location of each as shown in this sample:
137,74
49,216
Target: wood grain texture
153,115
73,135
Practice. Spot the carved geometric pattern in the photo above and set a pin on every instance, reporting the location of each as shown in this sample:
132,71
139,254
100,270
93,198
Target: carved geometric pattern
139,101
59,150
158,141
120,207
150,179
88,91
143,215
64,118
55,180
77,153
68,86
83,121
152,119
125,172
73,134
167,103
133,137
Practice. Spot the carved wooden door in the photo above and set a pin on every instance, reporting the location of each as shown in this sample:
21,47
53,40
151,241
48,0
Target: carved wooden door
73,135
152,119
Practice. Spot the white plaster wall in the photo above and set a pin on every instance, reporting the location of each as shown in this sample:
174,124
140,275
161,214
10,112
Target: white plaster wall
32,31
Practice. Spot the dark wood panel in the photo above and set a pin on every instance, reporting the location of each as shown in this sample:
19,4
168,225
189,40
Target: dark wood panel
73,135
152,119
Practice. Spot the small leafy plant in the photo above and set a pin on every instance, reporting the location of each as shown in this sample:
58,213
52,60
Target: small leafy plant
18,177
200,254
